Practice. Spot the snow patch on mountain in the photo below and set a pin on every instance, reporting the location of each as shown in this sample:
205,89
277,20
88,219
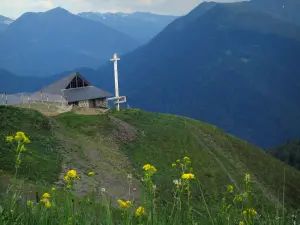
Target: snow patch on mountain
7,22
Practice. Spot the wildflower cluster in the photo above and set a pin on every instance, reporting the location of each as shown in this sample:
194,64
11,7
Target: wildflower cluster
70,177
149,169
236,207
19,137
249,212
29,204
188,176
140,211
18,141
124,205
183,192
46,200
233,202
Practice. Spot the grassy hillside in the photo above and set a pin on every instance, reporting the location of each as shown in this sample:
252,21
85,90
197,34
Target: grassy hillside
119,143
42,161
243,84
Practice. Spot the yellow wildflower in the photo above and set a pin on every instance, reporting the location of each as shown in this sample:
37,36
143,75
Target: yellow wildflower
177,161
247,177
245,212
186,158
29,204
48,204
249,212
91,174
46,195
72,174
26,140
188,176
241,223
9,138
238,198
253,212
128,203
44,200
140,211
149,168
124,205
20,136
66,178
230,188
53,189
69,186
174,165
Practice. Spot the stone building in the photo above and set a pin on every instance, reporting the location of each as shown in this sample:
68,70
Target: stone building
75,90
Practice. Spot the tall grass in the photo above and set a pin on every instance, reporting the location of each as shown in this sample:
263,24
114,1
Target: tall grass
60,206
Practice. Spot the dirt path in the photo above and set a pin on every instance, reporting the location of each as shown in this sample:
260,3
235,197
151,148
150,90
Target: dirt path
100,154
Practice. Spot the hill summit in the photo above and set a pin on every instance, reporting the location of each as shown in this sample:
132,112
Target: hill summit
116,144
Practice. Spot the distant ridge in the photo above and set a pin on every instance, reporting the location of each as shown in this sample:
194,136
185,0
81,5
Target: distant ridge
230,65
56,41
142,26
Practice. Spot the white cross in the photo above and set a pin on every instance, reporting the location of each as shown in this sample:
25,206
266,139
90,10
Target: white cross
115,59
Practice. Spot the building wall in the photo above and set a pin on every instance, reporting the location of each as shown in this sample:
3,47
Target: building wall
102,102
84,104
93,103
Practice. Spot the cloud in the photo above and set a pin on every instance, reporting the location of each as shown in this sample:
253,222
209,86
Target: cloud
42,5
15,8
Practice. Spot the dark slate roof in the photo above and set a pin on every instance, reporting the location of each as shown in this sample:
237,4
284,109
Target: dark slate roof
84,93
73,94
61,84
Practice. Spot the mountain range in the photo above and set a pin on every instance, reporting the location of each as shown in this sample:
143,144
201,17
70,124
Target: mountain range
142,26
57,40
42,44
16,84
230,65
233,65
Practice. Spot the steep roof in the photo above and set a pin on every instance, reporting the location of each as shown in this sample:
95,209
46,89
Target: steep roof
84,93
57,87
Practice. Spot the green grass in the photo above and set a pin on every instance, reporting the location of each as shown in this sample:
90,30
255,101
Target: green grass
218,158
118,143
42,161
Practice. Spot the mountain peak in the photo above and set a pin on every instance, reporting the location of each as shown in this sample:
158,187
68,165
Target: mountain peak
58,10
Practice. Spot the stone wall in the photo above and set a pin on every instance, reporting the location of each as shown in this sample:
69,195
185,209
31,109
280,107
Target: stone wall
84,104
101,102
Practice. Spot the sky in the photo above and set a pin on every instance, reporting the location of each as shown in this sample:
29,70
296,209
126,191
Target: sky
15,8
